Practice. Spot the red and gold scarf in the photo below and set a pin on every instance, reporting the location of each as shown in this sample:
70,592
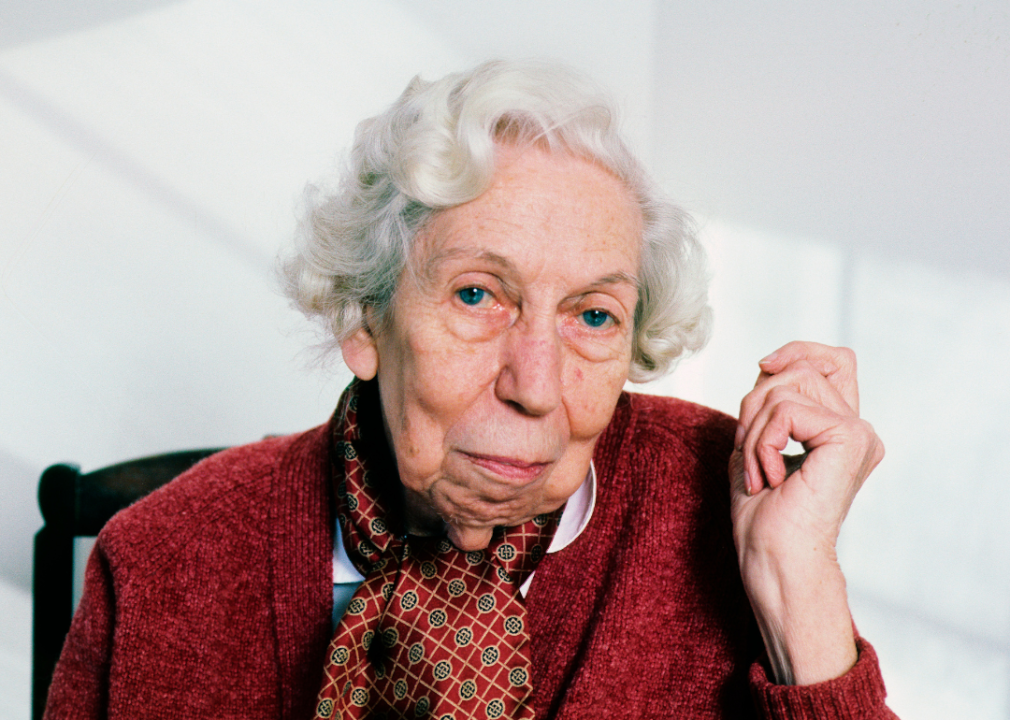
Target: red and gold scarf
432,631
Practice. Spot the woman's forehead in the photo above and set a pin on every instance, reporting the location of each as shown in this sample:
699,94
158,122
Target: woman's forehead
539,204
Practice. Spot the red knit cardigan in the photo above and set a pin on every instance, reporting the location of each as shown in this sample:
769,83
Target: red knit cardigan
211,598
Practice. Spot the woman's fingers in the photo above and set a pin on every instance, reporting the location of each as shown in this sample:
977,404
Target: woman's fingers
836,364
800,377
852,444
796,376
785,414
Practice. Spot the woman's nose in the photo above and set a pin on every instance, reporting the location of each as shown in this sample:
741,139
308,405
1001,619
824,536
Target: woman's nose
530,377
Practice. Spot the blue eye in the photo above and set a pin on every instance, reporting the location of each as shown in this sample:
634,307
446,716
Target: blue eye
471,295
595,318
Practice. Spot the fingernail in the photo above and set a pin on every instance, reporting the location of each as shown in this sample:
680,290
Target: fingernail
738,440
768,358
746,483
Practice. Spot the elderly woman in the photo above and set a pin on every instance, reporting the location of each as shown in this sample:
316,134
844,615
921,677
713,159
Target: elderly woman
489,526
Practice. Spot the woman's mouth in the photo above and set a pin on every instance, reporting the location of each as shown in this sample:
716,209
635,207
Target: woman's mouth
510,468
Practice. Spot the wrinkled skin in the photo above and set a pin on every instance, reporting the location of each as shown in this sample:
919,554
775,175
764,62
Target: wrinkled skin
507,349
785,528
501,364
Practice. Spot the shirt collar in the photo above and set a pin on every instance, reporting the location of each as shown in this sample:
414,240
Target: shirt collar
578,510
574,518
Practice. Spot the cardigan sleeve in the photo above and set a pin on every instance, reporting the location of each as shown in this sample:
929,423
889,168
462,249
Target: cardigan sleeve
79,688
857,695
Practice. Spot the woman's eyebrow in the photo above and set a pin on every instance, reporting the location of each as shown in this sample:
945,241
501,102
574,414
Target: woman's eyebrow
438,257
509,269
616,278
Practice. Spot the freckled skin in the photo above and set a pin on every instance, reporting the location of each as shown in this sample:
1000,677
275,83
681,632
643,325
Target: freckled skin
496,373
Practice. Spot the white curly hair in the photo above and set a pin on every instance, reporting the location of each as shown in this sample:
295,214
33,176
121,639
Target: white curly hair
435,149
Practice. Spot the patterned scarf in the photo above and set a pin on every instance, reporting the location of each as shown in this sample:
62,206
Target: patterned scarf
432,631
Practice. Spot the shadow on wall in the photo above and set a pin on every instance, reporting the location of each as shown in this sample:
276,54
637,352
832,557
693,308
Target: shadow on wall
926,546
30,21
19,519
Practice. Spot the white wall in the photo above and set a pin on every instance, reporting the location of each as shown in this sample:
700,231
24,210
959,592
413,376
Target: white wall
856,156
849,165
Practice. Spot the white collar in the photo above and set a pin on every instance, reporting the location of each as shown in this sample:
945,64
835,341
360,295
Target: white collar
574,518
578,510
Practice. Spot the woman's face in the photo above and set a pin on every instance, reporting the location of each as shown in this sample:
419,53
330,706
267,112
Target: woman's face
507,350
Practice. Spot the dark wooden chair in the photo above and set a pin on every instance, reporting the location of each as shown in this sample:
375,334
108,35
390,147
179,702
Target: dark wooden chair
78,505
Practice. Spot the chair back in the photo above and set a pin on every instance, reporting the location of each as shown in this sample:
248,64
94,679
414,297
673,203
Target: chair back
78,505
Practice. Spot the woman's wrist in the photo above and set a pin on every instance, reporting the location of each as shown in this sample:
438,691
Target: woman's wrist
802,611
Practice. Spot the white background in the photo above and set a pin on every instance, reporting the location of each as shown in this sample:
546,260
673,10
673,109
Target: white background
848,162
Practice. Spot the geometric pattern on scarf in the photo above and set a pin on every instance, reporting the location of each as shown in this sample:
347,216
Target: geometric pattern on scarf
432,632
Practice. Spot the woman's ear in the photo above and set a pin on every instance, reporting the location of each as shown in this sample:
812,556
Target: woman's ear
360,353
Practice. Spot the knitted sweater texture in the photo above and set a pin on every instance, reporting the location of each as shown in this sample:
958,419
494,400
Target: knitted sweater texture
211,598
